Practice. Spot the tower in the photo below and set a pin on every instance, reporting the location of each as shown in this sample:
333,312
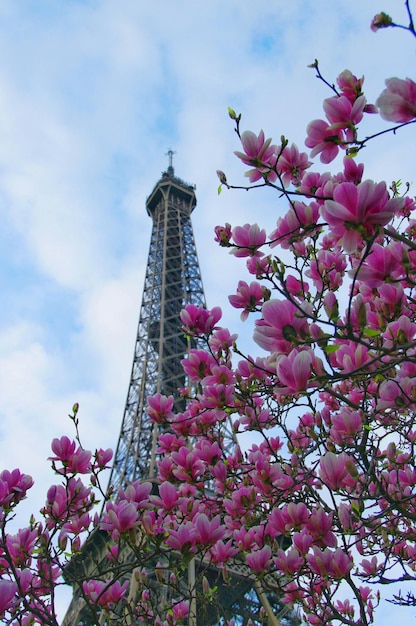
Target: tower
172,281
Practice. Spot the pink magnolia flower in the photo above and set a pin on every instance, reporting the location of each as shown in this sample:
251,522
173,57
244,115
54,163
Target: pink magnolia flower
20,546
180,610
208,530
258,153
383,262
300,221
120,517
102,458
8,590
324,140
105,593
183,538
223,235
13,487
342,113
75,460
334,563
159,408
260,560
289,562
356,210
248,239
168,496
222,552
63,448
346,425
199,321
350,85
248,297
137,492
397,103
283,325
294,371
292,165
334,469
198,364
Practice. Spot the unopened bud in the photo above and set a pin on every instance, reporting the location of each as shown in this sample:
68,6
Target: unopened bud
381,20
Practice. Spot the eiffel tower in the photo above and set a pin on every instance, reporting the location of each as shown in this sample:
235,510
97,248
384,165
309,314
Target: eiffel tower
172,280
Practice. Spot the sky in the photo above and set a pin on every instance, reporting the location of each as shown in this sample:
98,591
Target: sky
93,93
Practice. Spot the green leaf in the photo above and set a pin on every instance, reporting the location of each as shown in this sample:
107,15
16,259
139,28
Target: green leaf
331,348
371,332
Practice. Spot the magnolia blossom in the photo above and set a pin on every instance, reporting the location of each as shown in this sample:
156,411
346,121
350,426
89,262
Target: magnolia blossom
358,209
259,153
397,103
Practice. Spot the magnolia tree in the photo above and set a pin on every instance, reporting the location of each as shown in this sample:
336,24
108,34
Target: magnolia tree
321,511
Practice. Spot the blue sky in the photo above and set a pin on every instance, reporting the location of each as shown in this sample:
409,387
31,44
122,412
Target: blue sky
92,95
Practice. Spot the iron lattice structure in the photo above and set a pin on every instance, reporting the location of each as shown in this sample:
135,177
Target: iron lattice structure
172,280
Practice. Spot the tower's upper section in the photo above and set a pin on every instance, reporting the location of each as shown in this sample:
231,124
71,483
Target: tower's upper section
170,188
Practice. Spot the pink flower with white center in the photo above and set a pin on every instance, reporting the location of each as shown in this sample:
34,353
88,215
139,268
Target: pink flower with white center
248,239
259,153
397,103
248,297
324,140
357,210
260,560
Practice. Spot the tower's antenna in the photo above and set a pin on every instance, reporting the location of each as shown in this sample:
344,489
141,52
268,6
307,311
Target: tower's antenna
170,154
